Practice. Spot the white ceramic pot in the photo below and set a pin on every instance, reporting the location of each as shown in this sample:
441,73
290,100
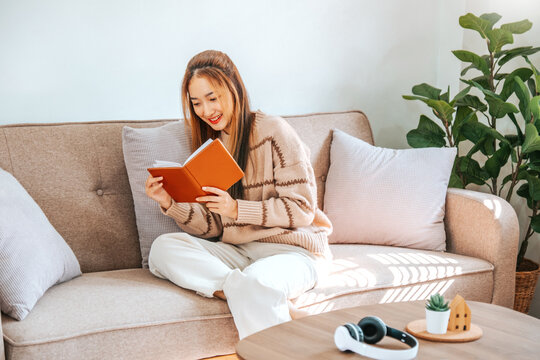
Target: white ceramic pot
437,321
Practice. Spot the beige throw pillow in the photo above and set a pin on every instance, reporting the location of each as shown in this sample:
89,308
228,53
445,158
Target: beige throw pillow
383,196
142,146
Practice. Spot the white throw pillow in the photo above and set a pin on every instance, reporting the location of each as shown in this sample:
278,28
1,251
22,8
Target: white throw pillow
33,255
383,196
141,146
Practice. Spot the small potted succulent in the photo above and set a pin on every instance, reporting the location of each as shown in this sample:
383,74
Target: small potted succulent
437,314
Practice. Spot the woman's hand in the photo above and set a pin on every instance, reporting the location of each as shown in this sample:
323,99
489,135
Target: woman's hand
222,203
154,190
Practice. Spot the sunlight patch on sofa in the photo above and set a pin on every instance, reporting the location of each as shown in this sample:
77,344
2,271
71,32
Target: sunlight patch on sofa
416,292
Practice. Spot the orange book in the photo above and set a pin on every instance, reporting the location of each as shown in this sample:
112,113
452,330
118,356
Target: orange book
210,165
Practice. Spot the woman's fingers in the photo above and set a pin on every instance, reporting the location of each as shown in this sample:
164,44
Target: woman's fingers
208,199
152,180
214,190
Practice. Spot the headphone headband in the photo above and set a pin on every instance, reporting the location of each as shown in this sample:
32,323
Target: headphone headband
344,340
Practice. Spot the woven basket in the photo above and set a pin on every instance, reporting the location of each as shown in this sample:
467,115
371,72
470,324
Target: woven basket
525,285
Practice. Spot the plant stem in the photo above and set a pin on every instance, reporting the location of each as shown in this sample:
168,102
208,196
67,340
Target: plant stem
528,234
448,134
514,178
493,119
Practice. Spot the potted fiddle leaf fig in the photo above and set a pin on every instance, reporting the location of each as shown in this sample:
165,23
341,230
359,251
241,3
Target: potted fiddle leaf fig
437,314
510,162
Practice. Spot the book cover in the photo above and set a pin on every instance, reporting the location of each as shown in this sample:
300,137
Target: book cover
210,165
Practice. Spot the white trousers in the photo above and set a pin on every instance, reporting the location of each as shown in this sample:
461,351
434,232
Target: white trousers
257,278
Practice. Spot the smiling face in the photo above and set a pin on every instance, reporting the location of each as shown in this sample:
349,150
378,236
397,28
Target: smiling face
213,106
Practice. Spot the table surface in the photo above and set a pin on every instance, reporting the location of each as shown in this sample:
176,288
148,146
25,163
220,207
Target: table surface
508,334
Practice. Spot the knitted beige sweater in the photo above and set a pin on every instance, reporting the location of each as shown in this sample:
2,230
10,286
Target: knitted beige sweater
280,196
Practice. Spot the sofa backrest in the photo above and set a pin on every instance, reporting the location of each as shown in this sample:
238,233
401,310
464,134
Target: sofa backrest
76,173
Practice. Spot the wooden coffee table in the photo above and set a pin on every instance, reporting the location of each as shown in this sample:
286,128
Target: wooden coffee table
508,334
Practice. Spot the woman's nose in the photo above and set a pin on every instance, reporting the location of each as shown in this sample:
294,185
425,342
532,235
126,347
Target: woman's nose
207,109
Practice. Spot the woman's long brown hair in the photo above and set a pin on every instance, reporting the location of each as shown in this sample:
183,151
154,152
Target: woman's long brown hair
223,75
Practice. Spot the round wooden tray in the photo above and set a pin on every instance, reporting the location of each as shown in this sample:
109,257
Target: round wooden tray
418,329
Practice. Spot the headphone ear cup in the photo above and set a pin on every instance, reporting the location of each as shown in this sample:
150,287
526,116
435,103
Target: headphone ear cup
373,328
355,331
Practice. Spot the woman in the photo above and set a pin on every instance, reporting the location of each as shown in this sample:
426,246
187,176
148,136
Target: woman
273,238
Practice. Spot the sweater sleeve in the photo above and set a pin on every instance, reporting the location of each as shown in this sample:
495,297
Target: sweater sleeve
195,219
294,182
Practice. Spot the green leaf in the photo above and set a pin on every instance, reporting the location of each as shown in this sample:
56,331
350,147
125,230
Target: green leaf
463,115
492,18
512,139
524,97
470,21
473,102
532,86
498,108
465,70
441,108
426,90
535,223
498,38
481,88
519,51
523,191
534,107
470,57
518,128
455,181
472,171
508,88
534,187
476,131
533,68
428,134
446,96
483,81
460,95
534,167
500,157
532,140
518,27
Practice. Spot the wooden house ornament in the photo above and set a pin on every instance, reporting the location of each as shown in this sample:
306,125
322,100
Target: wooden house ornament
460,315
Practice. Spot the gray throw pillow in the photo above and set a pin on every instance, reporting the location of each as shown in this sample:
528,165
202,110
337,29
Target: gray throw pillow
33,255
141,146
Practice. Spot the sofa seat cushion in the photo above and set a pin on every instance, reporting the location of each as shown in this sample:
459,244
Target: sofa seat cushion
122,314
369,274
130,314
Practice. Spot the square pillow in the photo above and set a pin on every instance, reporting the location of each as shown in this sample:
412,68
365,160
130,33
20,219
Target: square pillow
383,196
141,146
33,255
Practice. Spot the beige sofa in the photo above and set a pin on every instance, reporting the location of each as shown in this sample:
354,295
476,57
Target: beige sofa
117,310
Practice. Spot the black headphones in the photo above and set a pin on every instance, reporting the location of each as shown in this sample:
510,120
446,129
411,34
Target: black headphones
371,330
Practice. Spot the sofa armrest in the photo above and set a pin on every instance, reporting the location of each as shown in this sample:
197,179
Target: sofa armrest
485,226
2,357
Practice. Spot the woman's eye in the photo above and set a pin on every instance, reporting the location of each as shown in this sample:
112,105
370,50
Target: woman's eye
213,99
196,104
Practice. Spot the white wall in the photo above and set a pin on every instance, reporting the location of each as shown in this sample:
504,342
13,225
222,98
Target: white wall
65,60
68,60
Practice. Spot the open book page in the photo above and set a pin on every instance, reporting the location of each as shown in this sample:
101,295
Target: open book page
198,150
162,163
